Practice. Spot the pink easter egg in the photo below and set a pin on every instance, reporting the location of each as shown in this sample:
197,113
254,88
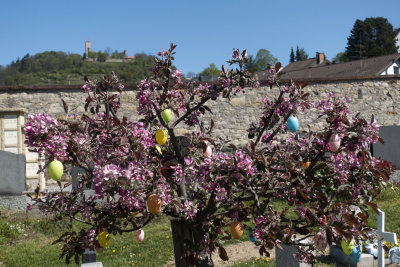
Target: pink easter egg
334,143
208,152
320,241
139,235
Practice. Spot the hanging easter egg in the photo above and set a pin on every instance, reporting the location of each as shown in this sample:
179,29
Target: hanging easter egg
236,230
305,165
167,115
293,124
252,237
347,247
334,142
99,249
139,235
355,254
208,152
104,238
320,241
161,136
56,170
154,204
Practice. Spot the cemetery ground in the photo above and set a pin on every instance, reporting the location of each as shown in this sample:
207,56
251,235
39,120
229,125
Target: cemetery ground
25,240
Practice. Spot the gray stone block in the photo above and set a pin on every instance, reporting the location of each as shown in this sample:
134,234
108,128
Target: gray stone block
285,257
88,256
390,149
366,260
12,173
92,264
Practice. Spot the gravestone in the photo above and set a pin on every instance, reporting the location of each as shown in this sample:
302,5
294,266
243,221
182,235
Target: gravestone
285,257
89,259
390,150
12,174
12,139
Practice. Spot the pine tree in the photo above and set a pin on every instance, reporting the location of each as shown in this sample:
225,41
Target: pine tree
370,38
301,54
291,55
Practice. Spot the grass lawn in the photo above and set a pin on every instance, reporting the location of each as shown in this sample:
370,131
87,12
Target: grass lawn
26,240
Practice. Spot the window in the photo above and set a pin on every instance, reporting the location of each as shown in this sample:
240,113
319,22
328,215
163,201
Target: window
396,70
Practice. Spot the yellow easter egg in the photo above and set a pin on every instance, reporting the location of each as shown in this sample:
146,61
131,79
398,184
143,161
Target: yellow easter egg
236,230
104,238
347,247
161,136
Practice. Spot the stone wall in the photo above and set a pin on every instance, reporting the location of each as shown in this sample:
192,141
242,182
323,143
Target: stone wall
379,97
232,117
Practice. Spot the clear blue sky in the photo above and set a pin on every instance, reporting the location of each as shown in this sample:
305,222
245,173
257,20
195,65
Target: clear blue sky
204,30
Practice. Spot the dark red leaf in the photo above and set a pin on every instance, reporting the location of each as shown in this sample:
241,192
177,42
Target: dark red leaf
222,254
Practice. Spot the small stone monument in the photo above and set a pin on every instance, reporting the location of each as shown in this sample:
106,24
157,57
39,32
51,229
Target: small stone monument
285,257
89,259
394,255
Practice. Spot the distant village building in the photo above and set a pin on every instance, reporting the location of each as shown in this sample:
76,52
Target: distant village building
123,58
320,69
397,38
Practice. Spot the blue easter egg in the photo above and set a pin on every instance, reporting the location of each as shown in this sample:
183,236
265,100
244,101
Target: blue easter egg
293,124
355,254
252,237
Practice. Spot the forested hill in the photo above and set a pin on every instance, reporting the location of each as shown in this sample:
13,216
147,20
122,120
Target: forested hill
51,68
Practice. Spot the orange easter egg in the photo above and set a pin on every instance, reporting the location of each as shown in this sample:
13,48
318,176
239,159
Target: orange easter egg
236,230
154,204
305,165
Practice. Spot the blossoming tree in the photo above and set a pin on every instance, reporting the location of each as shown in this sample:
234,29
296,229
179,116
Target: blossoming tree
210,189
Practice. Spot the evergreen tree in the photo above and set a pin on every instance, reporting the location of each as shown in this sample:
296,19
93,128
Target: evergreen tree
291,55
370,38
301,54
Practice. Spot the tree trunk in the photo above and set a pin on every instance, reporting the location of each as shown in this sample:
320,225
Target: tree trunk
185,240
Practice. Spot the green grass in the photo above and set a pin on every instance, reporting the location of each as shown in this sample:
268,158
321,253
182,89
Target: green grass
32,245
259,261
26,240
389,202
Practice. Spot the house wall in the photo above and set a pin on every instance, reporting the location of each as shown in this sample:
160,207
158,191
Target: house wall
232,117
391,69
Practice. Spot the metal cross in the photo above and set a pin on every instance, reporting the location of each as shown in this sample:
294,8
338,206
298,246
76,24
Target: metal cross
383,236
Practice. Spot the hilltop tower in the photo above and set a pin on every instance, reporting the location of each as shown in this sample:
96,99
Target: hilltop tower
88,49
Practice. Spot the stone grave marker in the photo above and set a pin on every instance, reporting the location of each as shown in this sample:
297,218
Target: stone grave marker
285,257
12,174
390,150
12,139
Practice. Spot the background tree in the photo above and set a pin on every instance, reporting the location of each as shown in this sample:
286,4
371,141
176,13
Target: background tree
261,61
53,67
292,59
371,38
341,57
301,54
211,70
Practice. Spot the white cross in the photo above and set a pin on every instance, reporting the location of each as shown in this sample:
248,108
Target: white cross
383,236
